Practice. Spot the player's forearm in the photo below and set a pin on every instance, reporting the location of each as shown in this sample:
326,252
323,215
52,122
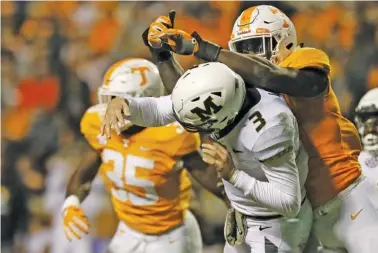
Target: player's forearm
170,71
207,178
81,180
284,203
281,193
151,112
251,69
203,174
261,73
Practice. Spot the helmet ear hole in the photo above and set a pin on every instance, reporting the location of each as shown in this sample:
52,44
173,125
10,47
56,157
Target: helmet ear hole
289,46
274,43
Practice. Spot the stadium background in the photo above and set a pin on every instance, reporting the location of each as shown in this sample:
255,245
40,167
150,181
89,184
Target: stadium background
53,56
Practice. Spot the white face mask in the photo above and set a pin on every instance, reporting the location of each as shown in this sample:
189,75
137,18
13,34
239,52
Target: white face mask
368,129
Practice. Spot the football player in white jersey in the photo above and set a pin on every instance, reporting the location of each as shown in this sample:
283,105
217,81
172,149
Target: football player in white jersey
367,123
261,160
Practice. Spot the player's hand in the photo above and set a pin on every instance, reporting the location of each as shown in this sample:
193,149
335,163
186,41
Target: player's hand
217,156
160,24
161,35
180,42
175,40
75,222
159,51
116,111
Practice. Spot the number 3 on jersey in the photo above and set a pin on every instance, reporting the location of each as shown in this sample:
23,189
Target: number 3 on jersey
258,120
124,174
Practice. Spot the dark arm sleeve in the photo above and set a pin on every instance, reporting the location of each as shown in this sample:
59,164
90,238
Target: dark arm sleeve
261,73
307,82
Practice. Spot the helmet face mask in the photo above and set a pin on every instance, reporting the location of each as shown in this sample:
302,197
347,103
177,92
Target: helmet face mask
366,119
264,46
205,127
104,96
367,124
264,31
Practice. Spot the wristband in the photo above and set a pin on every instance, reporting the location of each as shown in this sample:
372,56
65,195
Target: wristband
71,200
160,56
207,50
234,177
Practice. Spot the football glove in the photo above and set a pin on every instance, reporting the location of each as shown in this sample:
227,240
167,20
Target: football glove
159,51
180,42
235,227
74,220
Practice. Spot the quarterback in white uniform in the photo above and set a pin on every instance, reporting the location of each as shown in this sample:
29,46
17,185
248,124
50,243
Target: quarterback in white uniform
367,122
265,178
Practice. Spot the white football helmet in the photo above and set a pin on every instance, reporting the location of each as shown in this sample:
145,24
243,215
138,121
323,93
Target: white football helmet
367,120
266,31
133,77
208,97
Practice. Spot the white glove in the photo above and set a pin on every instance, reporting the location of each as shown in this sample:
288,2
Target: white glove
74,220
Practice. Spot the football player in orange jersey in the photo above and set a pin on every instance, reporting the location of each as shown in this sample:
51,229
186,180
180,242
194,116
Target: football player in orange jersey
143,170
265,52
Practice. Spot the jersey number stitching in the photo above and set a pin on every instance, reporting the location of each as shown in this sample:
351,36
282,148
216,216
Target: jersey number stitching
124,173
258,118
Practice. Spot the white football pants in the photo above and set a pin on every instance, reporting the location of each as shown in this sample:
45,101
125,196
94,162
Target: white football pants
349,222
281,235
184,239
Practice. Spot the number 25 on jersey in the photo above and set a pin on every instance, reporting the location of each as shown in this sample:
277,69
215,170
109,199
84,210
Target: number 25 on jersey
124,169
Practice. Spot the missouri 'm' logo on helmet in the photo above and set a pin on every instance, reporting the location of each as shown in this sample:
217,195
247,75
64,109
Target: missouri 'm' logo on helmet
208,97
210,108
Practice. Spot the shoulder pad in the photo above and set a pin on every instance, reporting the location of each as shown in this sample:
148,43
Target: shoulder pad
91,120
269,122
307,57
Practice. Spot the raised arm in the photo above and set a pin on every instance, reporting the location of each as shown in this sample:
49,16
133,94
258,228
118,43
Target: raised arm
170,71
308,81
169,68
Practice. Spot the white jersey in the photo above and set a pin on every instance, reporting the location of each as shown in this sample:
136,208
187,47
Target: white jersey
269,129
369,165
266,130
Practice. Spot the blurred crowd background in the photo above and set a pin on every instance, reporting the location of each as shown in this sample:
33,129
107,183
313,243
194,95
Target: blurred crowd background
53,57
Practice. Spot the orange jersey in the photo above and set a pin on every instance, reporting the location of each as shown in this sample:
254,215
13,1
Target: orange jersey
146,194
331,141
